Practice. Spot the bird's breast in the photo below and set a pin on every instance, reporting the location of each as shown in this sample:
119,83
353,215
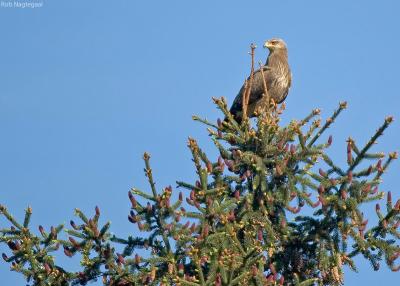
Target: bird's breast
282,76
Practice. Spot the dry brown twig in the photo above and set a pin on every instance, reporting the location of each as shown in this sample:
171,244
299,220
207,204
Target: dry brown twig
266,94
248,84
270,101
244,104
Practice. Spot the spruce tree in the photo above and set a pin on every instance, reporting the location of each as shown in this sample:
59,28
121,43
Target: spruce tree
273,209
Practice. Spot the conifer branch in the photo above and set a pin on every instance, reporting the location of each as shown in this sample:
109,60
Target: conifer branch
372,141
329,121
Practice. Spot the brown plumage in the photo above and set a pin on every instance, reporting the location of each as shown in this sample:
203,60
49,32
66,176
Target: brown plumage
277,78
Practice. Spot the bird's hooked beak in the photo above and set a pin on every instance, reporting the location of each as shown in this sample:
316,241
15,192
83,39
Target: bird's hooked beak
268,45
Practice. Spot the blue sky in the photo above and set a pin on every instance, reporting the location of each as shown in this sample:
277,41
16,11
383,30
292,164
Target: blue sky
87,86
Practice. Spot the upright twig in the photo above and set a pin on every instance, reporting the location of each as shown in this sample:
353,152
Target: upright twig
149,173
266,93
247,90
244,101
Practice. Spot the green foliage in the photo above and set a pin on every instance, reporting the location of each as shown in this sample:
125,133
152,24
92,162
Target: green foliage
273,209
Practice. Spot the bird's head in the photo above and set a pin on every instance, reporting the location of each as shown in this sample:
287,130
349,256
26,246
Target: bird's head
275,44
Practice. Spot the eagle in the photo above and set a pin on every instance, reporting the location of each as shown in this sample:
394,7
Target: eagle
277,78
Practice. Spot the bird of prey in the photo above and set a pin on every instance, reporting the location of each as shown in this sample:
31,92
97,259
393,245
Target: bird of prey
277,78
